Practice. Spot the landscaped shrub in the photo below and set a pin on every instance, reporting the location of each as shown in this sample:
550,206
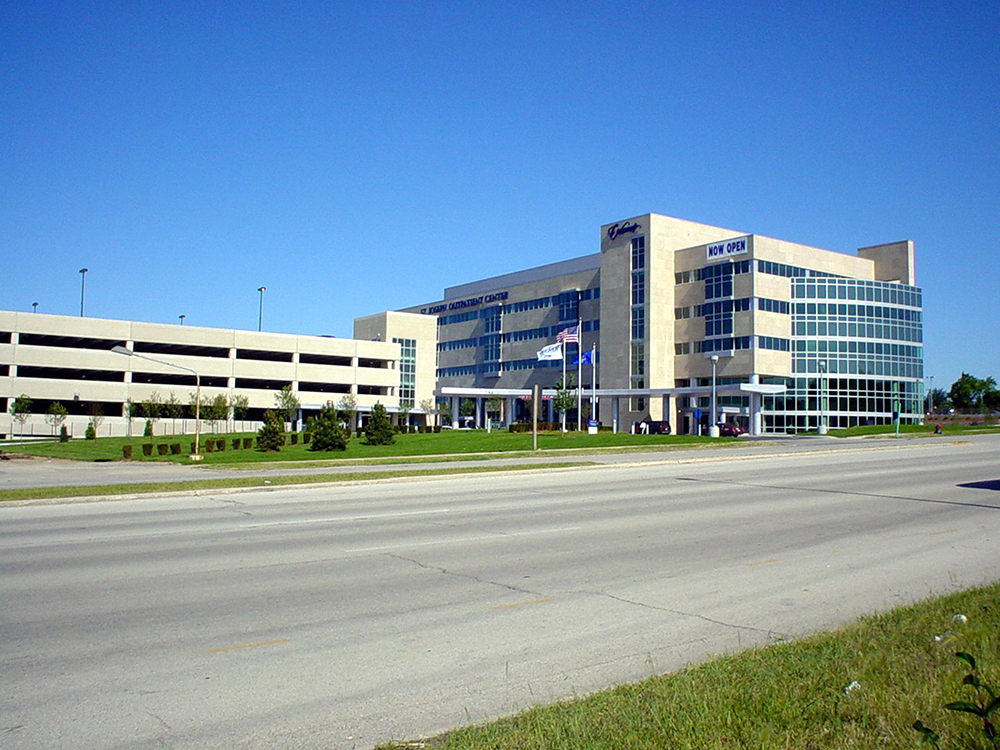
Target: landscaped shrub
437,428
220,444
63,434
148,430
327,432
378,430
162,448
247,443
127,452
91,432
175,449
147,449
209,446
236,444
271,435
295,438
306,437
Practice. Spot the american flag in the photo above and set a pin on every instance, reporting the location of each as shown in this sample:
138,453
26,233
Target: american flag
568,335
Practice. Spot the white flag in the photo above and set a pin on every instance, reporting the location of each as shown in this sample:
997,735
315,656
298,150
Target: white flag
552,351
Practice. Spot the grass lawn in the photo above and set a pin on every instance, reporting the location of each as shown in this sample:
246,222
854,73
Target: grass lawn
914,429
859,687
457,442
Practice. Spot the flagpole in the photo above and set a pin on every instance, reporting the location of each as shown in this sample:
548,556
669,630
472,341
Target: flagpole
579,375
593,381
562,415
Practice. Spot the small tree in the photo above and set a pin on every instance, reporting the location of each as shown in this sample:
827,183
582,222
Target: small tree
427,405
403,410
20,409
241,408
328,434
287,403
131,411
444,410
378,428
565,398
56,415
174,409
271,435
348,408
493,406
96,414
466,408
216,410
152,409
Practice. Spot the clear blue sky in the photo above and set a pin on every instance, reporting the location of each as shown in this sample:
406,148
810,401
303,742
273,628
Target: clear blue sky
356,157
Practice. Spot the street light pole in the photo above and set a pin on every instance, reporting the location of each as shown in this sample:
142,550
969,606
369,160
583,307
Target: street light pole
930,395
83,279
260,311
821,426
713,427
182,318
34,307
196,456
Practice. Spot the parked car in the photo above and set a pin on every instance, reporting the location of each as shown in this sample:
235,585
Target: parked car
653,427
727,429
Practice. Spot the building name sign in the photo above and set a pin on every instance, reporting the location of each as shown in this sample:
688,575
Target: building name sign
617,230
483,299
727,248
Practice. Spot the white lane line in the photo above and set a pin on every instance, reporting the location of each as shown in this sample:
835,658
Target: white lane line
487,538
343,519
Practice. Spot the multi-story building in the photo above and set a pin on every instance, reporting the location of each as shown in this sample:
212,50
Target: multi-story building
69,360
797,337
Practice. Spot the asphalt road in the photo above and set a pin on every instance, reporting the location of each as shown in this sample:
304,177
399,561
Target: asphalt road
342,616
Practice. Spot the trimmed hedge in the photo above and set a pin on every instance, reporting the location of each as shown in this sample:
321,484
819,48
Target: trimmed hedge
127,452
147,449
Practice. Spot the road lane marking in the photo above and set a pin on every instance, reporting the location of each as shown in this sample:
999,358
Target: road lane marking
341,519
946,531
521,604
961,442
762,562
247,645
488,538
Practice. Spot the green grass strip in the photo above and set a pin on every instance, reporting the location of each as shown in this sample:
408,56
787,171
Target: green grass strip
858,688
139,488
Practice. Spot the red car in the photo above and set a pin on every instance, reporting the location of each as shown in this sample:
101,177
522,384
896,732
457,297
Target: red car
730,430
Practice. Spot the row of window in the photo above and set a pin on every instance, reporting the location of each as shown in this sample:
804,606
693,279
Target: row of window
857,289
567,302
875,313
904,332
730,268
733,343
529,334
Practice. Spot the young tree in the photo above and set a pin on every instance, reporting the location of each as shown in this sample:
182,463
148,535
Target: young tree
444,410
152,410
466,409
271,435
96,414
493,406
20,409
328,434
287,404
348,408
403,412
131,411
216,410
56,415
427,405
378,428
565,398
174,409
241,407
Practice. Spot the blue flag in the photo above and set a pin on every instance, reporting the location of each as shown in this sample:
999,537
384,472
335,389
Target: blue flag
586,359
